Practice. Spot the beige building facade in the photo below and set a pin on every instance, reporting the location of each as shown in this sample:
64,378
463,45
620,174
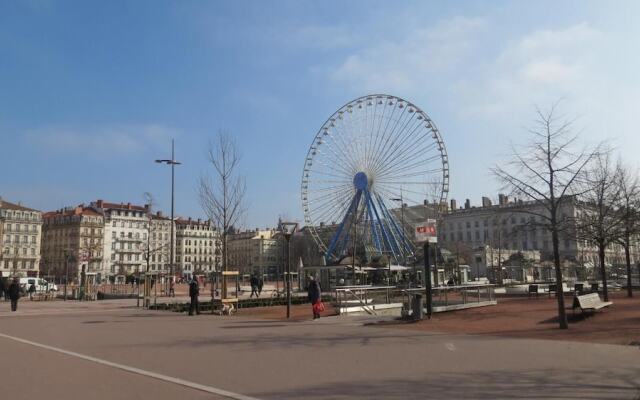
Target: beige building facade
158,247
126,230
256,251
197,247
72,240
20,240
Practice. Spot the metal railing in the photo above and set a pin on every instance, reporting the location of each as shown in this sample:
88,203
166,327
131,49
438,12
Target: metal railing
453,297
364,297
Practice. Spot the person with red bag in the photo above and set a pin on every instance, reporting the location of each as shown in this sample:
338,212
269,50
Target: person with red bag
315,297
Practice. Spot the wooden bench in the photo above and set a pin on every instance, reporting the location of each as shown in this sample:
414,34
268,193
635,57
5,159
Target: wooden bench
43,296
589,302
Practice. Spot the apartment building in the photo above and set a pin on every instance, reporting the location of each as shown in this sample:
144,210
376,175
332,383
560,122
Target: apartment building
197,247
513,226
126,230
72,239
20,239
158,247
255,251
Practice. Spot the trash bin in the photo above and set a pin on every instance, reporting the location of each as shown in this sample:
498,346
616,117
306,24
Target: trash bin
417,310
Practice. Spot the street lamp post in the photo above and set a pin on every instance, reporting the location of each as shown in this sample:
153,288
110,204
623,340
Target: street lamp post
404,236
288,229
173,163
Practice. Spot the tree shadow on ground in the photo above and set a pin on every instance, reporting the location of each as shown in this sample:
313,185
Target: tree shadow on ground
595,383
307,340
254,326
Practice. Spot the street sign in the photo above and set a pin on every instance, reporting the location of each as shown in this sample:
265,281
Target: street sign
426,231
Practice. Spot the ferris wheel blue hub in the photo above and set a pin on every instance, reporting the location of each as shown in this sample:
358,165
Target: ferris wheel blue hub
361,181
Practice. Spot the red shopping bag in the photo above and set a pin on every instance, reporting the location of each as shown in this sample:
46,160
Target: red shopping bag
318,307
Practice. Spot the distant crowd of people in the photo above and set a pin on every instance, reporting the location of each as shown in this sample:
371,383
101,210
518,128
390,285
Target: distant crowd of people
13,291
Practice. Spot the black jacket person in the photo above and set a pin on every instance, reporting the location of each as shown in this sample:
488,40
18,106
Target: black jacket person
14,294
194,291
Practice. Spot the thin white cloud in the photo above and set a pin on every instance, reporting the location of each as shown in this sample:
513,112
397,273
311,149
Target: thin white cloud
413,60
539,67
105,141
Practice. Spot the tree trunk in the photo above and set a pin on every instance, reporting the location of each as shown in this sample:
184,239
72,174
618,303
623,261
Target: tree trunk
628,260
562,316
603,271
224,264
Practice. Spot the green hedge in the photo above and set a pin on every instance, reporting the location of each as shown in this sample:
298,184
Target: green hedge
243,303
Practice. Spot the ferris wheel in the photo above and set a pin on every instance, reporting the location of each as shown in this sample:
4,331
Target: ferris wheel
374,155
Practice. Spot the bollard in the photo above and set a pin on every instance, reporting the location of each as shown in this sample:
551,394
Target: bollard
417,307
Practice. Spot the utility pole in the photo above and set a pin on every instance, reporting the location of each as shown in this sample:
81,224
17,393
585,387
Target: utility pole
355,236
173,163
427,275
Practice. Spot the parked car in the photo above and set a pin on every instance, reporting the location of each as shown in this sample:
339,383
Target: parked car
42,286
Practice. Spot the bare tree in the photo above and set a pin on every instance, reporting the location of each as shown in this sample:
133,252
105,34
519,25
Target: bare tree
222,192
600,222
629,210
545,171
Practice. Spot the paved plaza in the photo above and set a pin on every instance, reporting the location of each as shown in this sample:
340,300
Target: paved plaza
112,350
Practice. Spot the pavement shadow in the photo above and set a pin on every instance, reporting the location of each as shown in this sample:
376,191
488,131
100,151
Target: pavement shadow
302,341
595,383
254,326
571,318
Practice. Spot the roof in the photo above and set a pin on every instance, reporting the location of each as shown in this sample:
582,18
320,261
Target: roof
79,210
123,206
12,206
181,221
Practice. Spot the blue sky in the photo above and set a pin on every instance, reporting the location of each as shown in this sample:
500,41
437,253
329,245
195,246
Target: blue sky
92,92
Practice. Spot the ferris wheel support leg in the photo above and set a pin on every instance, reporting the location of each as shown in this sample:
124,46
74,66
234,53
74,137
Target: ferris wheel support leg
374,232
389,219
394,226
383,229
335,243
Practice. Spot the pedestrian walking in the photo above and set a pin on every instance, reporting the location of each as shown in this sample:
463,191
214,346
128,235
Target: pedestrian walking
3,289
194,292
254,285
172,289
14,294
32,290
315,297
260,285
